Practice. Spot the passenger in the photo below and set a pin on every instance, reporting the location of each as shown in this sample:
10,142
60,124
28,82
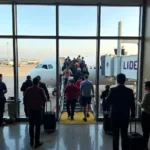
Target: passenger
72,93
82,65
86,97
85,70
74,60
73,69
121,100
78,82
145,119
77,64
79,59
78,74
43,86
104,96
3,91
34,98
64,66
67,73
28,83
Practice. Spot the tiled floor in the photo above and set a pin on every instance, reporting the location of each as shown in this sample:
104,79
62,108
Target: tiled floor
66,137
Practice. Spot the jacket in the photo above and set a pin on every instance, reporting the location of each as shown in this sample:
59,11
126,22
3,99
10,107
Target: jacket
121,102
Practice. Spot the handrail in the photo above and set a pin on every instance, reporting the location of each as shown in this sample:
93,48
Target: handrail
62,96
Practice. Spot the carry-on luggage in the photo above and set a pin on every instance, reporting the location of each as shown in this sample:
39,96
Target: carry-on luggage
136,140
49,119
107,123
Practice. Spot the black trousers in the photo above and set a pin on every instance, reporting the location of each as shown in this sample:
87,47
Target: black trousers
35,118
2,106
71,103
117,129
145,122
25,110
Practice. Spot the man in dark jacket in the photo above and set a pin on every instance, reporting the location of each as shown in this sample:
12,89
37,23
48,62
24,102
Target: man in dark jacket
121,102
104,96
34,99
78,74
3,91
28,83
43,86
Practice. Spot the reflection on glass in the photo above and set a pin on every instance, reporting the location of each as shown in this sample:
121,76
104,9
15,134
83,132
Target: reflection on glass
78,21
37,57
6,20
129,16
36,20
6,68
116,59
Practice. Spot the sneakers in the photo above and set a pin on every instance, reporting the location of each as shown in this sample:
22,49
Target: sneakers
38,144
88,115
72,118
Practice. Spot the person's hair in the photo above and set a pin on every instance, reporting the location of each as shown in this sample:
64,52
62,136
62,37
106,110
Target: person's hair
86,76
72,81
36,81
107,87
147,84
1,75
80,77
121,78
28,77
38,77
67,67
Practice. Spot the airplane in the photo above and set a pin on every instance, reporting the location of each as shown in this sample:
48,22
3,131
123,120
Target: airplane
46,69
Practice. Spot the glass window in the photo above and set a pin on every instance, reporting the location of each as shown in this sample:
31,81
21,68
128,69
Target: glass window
112,63
77,20
50,66
6,20
6,68
33,54
36,20
110,16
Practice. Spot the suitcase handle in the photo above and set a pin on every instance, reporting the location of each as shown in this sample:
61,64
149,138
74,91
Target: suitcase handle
134,120
46,105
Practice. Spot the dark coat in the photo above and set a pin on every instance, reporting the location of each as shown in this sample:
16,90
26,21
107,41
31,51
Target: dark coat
121,102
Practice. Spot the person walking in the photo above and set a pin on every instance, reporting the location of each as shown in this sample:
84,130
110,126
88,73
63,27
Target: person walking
86,90
121,101
3,91
104,96
67,73
34,99
28,83
145,117
72,93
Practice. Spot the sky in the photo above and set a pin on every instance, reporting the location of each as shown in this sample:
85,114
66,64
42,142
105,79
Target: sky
73,21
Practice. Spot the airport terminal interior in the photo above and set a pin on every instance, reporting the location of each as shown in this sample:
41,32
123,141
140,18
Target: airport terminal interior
38,37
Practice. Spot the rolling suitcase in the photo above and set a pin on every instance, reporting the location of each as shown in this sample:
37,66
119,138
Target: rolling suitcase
107,123
49,119
136,140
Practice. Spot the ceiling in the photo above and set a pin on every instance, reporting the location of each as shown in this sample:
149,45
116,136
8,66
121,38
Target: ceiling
93,2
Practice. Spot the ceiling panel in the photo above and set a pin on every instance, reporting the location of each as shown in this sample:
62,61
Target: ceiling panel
105,2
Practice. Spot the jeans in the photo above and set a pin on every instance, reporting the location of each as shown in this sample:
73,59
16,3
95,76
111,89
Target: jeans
35,122
71,103
145,122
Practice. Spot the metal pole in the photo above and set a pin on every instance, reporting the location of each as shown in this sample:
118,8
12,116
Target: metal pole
15,57
119,47
97,61
57,62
